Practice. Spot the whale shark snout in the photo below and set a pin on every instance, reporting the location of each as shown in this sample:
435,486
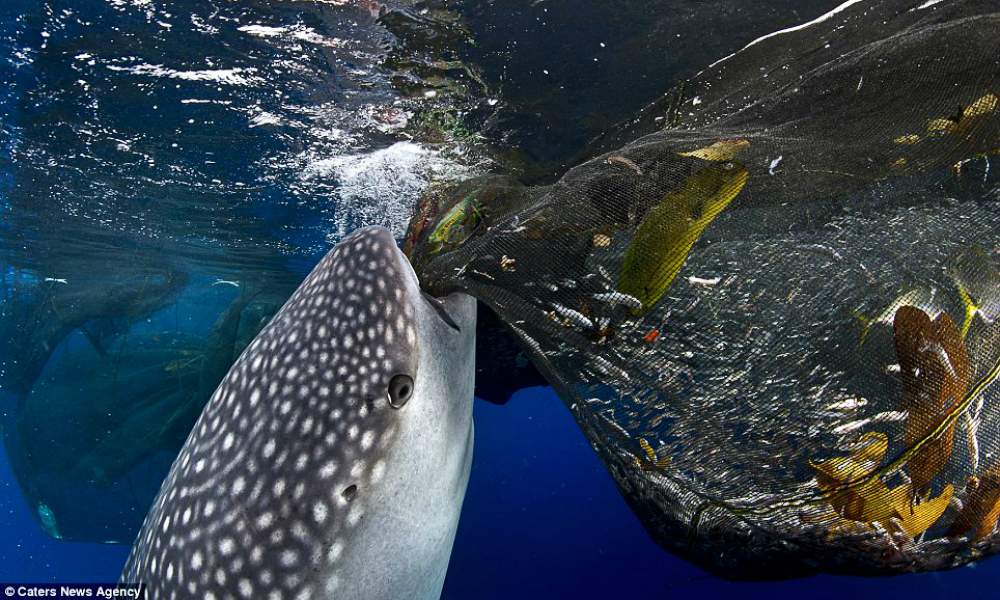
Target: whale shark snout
333,459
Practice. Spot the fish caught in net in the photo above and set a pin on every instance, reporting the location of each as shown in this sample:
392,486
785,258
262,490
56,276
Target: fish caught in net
770,300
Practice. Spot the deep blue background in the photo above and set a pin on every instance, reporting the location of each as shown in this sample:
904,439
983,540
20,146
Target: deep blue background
542,519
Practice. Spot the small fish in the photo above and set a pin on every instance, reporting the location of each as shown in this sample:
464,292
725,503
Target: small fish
652,335
720,151
668,232
977,278
617,298
625,162
48,520
605,366
848,404
573,316
920,298
772,167
226,282
54,280
702,281
890,416
822,250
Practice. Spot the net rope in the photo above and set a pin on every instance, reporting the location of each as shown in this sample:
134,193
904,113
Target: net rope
770,299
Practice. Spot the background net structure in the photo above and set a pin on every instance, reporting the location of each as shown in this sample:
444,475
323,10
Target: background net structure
770,300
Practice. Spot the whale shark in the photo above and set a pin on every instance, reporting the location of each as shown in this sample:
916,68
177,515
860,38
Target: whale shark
333,459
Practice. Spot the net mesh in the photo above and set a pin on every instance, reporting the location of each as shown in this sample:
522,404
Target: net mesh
770,299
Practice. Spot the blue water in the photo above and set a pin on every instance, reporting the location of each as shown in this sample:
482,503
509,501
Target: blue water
542,519
270,169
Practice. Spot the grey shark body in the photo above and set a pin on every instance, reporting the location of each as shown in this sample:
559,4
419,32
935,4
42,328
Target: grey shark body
333,459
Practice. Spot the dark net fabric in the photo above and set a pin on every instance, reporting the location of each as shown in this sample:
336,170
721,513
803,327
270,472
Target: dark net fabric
771,300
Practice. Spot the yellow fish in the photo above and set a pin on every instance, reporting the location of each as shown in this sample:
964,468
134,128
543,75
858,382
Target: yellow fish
967,120
669,230
870,502
917,518
873,501
977,277
655,462
719,151
919,298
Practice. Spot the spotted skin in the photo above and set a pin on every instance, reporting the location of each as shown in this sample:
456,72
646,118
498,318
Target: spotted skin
300,480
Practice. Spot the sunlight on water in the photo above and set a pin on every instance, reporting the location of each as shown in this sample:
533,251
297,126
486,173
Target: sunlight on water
171,169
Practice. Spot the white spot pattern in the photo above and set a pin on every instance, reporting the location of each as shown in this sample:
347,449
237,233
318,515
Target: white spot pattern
254,505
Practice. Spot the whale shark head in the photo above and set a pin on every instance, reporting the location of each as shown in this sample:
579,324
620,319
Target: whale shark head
333,458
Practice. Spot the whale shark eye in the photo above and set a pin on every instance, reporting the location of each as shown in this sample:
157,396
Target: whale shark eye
400,390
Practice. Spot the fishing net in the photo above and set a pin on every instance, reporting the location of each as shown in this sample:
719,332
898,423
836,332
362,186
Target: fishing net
93,440
770,300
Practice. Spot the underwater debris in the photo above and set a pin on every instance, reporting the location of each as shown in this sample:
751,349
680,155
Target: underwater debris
457,224
966,120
